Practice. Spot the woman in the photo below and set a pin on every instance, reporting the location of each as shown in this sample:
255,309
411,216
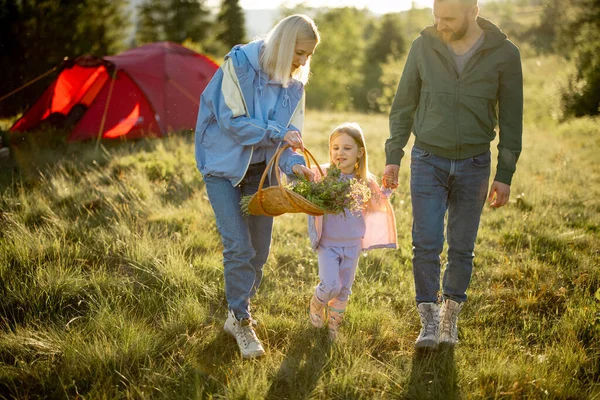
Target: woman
253,104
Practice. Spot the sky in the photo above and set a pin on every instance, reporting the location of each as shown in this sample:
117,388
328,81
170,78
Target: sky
376,6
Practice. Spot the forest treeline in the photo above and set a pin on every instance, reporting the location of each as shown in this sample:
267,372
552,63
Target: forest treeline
356,67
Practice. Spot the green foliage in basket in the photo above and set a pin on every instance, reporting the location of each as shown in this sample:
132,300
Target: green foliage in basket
334,193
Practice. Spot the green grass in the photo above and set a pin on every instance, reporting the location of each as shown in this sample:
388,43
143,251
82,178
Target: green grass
111,281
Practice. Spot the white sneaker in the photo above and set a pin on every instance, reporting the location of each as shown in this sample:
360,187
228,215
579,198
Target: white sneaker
245,336
448,322
430,320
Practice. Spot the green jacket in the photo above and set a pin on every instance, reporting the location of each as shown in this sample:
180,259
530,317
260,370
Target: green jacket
455,116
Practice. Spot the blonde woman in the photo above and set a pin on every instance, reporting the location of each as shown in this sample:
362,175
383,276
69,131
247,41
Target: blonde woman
339,239
253,104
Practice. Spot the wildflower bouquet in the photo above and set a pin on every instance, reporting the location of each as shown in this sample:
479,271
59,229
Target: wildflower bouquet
332,193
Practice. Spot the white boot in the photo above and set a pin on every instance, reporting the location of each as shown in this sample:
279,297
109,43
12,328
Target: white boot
448,322
244,334
336,310
316,312
430,320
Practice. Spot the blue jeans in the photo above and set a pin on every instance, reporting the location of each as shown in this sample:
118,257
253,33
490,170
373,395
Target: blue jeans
246,239
439,185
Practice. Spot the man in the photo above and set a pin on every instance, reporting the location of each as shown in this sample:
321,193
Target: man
456,74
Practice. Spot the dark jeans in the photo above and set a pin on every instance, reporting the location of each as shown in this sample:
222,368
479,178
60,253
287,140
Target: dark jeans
246,239
439,185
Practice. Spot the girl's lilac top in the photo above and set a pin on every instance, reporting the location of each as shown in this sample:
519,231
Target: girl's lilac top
343,229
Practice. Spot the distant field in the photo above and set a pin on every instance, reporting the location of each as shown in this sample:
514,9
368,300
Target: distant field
111,281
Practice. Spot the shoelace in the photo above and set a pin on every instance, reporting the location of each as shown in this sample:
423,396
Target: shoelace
430,324
449,323
247,333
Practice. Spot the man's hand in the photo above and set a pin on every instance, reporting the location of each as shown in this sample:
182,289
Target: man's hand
302,172
390,176
499,194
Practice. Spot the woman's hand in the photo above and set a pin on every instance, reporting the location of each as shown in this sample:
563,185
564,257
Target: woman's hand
302,172
294,139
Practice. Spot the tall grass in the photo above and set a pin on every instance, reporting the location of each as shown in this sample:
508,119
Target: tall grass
111,282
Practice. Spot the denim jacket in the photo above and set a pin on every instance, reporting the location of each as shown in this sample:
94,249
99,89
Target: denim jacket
228,129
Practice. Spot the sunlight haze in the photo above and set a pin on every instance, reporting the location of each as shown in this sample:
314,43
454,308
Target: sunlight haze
377,6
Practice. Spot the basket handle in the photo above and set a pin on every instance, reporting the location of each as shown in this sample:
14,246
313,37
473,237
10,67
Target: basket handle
275,159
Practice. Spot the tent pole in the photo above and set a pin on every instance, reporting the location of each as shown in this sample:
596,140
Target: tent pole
110,89
185,92
28,83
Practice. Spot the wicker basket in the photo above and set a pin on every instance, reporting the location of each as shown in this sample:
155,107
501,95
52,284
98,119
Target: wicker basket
277,200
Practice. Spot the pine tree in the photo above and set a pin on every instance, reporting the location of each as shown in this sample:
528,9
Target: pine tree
336,65
581,34
389,42
36,35
231,23
172,20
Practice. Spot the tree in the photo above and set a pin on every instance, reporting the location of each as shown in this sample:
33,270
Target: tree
391,71
172,20
337,63
389,42
581,96
543,36
231,23
36,35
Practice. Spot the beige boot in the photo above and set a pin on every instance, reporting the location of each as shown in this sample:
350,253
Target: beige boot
316,312
336,310
449,322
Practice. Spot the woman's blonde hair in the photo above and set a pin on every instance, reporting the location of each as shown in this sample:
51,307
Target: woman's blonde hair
280,44
353,130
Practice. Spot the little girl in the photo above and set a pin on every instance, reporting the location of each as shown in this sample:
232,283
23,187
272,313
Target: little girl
339,238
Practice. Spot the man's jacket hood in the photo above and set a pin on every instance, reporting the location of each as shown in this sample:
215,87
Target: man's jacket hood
493,35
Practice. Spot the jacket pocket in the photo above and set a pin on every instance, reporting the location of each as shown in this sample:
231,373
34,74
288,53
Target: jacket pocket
436,119
480,104
202,127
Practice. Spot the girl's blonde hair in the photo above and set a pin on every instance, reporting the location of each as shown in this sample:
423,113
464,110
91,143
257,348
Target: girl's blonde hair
353,130
280,44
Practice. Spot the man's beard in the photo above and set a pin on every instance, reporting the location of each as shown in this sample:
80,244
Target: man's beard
459,34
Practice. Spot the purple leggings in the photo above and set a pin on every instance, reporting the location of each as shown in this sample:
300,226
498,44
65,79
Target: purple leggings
337,268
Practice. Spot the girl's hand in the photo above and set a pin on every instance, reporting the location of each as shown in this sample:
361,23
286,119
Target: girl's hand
294,139
303,172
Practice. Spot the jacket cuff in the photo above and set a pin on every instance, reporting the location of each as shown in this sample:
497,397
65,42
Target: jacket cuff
393,158
276,131
287,169
504,176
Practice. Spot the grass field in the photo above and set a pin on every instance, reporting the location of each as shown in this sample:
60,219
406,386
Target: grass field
111,281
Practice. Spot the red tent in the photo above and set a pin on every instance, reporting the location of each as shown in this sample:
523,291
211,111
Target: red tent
156,88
